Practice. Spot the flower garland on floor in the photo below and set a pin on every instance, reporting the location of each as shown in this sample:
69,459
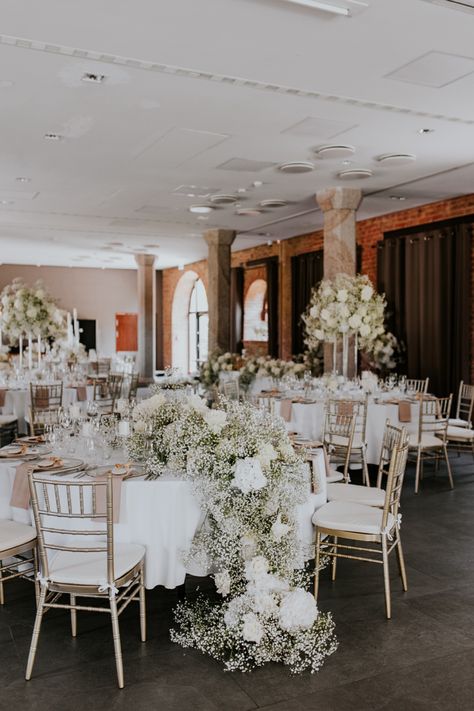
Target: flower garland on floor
249,483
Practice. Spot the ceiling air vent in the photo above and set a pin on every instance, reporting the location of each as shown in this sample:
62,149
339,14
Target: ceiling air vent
464,5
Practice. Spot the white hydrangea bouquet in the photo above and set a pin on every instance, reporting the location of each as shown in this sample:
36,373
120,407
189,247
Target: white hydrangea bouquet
249,483
344,305
266,366
29,310
385,353
217,363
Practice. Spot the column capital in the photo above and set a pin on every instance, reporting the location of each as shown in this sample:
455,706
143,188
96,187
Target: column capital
145,260
219,237
339,198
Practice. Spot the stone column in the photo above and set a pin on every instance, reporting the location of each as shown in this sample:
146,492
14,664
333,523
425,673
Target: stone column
218,263
339,207
146,315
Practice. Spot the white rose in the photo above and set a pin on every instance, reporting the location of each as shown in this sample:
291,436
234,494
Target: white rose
364,330
298,611
256,568
319,334
313,312
325,315
252,630
215,419
366,293
248,547
279,529
355,321
342,295
265,603
222,581
267,454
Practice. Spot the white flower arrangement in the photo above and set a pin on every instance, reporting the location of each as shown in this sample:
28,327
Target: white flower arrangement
384,354
249,483
344,305
30,310
64,350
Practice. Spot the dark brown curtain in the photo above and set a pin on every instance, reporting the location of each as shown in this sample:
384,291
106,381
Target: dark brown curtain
306,273
272,298
236,309
426,276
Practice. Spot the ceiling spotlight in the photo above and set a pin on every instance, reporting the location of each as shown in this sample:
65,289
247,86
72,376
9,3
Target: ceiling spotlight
324,6
422,131
355,174
396,158
92,78
334,151
52,137
223,199
397,197
242,190
296,167
273,202
23,180
201,209
6,202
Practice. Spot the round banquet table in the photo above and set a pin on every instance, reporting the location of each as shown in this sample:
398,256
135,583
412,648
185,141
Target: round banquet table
307,419
163,515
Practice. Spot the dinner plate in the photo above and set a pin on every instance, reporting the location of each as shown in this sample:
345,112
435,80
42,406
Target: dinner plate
134,470
63,465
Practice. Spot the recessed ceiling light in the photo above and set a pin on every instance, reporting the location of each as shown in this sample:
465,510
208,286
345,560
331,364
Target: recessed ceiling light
257,183
396,158
355,174
6,202
296,167
347,162
223,199
6,83
23,180
52,136
422,131
248,212
397,197
273,202
93,78
201,209
242,190
334,151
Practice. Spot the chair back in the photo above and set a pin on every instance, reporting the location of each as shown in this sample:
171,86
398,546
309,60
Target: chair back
338,438
392,437
417,386
465,404
355,408
396,474
68,515
130,384
434,415
107,392
103,367
46,401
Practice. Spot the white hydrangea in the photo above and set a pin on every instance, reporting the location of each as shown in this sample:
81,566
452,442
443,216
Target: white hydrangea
222,581
279,529
256,568
267,454
215,419
298,610
252,630
248,475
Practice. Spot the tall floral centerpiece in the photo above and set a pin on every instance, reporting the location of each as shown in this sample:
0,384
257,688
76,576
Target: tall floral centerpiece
249,483
29,311
342,307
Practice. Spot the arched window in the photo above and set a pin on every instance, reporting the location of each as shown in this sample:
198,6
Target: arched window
198,326
256,312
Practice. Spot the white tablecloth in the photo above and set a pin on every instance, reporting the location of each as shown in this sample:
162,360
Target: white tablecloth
163,516
308,420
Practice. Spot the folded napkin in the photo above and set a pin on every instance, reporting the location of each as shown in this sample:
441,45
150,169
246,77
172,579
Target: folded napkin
81,393
404,411
424,396
3,392
101,495
20,497
41,399
285,410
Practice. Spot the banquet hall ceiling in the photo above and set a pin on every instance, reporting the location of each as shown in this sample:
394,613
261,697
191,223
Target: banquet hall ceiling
211,97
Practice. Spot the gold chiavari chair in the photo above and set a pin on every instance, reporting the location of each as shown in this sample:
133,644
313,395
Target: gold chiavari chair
106,393
85,562
46,402
17,553
375,532
358,450
130,384
430,442
415,385
371,495
338,439
464,407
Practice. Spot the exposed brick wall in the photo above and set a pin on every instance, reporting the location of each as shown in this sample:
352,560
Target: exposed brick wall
369,232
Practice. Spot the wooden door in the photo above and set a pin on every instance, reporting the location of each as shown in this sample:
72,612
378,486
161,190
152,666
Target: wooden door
126,332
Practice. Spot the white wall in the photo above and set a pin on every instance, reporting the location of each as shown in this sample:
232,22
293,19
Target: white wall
96,293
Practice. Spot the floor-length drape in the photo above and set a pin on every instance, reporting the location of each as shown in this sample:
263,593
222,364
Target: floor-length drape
426,276
236,309
306,273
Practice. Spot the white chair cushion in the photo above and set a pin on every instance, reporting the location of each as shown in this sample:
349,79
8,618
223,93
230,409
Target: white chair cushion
460,434
13,534
334,475
7,419
91,568
454,422
367,495
340,441
427,441
351,517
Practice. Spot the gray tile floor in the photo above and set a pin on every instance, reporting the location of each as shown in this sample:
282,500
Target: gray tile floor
422,659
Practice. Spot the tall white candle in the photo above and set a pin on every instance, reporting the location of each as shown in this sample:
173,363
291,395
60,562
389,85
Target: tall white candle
69,329
21,352
30,351
39,349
